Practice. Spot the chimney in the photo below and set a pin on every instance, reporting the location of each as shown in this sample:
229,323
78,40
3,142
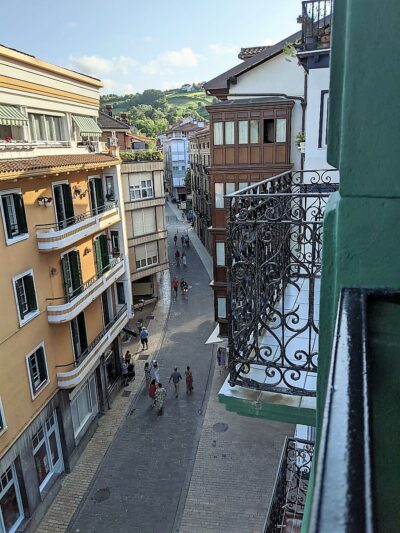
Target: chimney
124,118
109,109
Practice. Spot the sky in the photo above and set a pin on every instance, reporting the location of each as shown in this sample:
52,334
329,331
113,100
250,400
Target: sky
134,45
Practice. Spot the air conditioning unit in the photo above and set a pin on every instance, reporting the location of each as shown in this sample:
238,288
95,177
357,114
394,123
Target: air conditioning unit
113,141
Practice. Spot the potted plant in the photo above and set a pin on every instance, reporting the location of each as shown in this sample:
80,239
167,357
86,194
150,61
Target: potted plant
301,142
48,202
325,37
41,200
310,38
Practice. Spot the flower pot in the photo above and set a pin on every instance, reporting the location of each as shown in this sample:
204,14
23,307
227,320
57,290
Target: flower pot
48,202
41,201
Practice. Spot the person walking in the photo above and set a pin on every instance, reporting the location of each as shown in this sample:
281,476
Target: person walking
131,371
189,380
185,289
175,239
177,256
124,370
156,371
147,374
144,338
183,240
152,390
161,394
175,285
184,260
187,240
176,377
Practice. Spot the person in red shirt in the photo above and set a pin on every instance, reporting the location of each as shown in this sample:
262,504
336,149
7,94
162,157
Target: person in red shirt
175,285
152,389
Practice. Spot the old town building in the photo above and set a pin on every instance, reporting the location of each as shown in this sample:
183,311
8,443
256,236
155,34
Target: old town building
64,279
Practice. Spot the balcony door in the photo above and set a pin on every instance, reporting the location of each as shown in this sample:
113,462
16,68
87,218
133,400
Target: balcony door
72,274
107,308
79,338
96,195
63,204
101,254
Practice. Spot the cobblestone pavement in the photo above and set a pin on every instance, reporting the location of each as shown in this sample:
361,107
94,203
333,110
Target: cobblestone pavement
138,486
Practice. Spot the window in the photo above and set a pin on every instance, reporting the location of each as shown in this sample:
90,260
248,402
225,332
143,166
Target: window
219,195
323,120
24,288
13,213
243,185
220,253
114,235
146,255
243,127
46,128
254,133
230,188
3,424
229,133
79,339
11,510
102,257
84,406
120,293
144,221
218,134
71,265
96,195
274,130
64,204
280,130
37,369
47,451
221,307
110,193
140,188
269,130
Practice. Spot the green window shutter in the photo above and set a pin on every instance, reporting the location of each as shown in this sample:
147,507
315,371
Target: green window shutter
97,255
19,287
68,203
99,194
76,275
30,293
41,364
6,217
20,212
67,275
82,331
105,259
92,197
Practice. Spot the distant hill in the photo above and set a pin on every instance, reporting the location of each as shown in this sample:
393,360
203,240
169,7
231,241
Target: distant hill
154,111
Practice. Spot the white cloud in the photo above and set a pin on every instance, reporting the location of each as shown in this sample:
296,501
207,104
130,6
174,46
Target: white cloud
220,49
124,64
268,42
148,39
185,57
92,65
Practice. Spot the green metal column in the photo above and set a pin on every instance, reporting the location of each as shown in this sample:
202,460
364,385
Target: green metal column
362,221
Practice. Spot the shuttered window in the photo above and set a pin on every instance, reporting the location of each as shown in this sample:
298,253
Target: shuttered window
144,221
71,265
14,219
24,288
146,255
37,368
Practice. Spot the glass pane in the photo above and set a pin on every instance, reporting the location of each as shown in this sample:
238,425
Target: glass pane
219,195
243,185
220,249
58,128
243,132
51,134
53,448
10,508
229,133
230,188
83,404
280,130
254,136
217,132
221,303
42,462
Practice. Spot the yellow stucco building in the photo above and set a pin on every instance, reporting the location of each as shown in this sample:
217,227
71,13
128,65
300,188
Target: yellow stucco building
64,278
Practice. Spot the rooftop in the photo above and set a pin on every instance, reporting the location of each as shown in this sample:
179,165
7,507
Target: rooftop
246,53
107,122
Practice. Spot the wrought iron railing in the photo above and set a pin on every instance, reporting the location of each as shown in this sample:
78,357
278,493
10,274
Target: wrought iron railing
56,226
69,296
289,494
316,24
274,247
96,340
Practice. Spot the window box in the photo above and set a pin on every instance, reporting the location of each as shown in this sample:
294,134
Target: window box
25,295
37,370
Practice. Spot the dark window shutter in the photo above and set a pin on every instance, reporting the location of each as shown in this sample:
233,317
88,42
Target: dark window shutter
6,217
67,276
92,197
19,284
106,311
20,212
99,194
97,255
76,274
82,331
105,260
68,203
31,374
30,293
41,363
75,336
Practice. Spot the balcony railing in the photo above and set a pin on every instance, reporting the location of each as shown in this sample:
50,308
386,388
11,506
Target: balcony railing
289,495
58,235
274,247
316,24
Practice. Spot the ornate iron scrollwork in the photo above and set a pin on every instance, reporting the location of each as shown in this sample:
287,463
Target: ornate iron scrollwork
274,252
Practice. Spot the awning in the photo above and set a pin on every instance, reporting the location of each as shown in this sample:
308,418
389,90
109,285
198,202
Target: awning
87,126
11,116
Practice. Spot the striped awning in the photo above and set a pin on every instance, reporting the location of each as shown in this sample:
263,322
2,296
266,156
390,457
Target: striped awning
87,126
11,116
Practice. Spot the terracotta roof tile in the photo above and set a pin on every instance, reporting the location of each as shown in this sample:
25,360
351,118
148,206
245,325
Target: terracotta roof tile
47,162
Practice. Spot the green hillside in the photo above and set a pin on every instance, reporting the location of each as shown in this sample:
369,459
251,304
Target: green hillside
154,111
